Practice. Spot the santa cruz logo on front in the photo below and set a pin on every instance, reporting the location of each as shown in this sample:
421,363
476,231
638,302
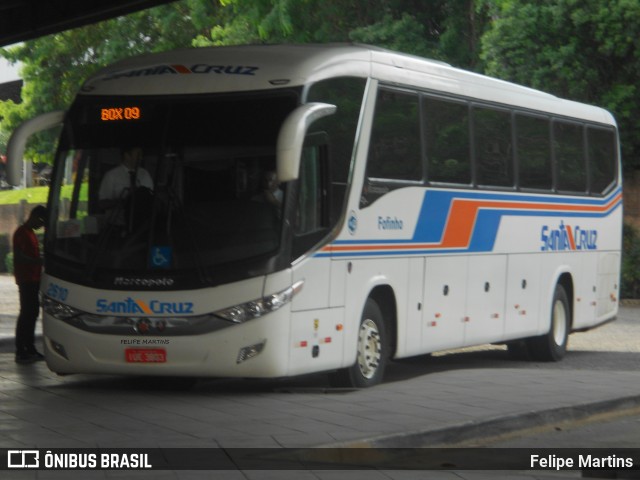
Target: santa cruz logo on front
129,306
566,237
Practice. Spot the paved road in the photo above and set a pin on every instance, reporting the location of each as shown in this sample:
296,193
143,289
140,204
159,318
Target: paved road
442,399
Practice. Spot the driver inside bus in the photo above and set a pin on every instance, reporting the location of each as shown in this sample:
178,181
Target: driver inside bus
120,182
271,192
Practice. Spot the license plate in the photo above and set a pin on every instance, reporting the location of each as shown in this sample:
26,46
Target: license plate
145,355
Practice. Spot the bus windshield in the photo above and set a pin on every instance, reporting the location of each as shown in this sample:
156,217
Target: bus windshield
154,185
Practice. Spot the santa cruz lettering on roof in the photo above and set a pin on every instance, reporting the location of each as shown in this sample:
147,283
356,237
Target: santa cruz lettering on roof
198,68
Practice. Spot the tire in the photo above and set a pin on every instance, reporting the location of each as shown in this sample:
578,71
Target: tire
372,352
552,346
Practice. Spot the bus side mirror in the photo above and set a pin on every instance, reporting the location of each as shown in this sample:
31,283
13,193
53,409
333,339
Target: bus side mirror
292,135
18,141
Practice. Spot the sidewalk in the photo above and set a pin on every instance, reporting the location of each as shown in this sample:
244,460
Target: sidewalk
40,410
9,308
9,302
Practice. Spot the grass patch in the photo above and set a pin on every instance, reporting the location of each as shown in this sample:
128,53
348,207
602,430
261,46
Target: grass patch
35,195
38,195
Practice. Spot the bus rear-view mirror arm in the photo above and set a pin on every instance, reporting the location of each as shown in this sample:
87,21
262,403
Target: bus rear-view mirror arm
18,141
292,134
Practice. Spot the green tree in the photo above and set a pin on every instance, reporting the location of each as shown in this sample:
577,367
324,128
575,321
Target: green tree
441,29
586,50
4,138
630,275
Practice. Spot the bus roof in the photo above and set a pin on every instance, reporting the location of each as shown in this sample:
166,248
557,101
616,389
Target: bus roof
263,67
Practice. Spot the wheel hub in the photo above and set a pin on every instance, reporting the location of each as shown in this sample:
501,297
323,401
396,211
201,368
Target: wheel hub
369,348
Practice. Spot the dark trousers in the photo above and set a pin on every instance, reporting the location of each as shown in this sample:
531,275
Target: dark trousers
29,311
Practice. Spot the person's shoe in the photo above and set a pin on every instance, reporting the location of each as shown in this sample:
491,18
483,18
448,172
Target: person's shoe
28,357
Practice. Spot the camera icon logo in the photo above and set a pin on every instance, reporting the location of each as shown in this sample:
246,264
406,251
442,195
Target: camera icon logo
23,459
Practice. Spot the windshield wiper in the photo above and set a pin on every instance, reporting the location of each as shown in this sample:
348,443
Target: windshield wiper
106,235
175,203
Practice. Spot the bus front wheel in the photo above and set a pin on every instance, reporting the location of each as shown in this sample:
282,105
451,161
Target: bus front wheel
372,352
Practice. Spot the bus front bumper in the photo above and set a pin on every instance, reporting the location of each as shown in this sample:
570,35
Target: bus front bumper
255,349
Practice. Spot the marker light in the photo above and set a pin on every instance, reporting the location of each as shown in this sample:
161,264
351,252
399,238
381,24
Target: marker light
257,308
251,351
59,349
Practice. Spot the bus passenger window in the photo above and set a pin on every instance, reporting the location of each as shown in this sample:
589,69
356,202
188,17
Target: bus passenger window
603,158
493,147
311,199
569,156
533,152
345,93
447,139
394,153
311,220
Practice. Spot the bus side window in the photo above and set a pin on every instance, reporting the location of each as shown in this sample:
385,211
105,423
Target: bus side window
447,141
568,146
493,147
395,154
347,94
533,152
603,158
311,222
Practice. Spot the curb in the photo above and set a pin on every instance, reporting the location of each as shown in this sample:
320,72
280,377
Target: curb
630,302
498,426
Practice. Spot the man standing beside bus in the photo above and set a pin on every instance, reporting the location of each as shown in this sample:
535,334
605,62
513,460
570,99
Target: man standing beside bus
27,267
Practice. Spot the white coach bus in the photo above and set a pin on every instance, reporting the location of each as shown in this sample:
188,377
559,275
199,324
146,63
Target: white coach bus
304,209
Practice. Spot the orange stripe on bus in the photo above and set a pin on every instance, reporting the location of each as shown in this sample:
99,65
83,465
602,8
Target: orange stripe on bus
461,221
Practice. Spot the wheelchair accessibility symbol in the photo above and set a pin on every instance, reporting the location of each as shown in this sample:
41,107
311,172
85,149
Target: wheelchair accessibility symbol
160,257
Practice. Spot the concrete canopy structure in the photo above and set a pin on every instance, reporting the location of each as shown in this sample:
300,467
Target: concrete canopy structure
22,20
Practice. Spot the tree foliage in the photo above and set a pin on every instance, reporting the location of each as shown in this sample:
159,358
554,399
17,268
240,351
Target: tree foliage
442,29
585,50
630,275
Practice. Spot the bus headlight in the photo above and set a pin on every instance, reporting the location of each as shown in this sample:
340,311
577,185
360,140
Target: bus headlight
60,310
259,307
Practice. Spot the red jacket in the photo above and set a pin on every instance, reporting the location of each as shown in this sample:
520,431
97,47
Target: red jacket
25,241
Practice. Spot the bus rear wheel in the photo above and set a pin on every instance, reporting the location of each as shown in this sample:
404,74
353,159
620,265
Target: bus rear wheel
372,352
552,346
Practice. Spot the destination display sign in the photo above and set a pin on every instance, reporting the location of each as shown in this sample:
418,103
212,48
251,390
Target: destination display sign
120,114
